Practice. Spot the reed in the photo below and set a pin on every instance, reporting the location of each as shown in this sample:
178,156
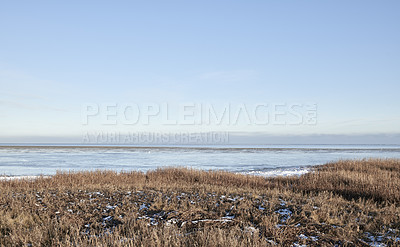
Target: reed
348,203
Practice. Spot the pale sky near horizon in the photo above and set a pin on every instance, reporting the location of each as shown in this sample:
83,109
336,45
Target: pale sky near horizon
55,57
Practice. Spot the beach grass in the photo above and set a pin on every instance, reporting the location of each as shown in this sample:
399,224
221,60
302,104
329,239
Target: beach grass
344,203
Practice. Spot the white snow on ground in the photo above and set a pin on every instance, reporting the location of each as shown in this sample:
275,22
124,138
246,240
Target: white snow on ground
285,214
299,245
223,220
111,207
376,240
8,178
143,206
279,172
270,173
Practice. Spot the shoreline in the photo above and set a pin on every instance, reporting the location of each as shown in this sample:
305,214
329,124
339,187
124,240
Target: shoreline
273,172
35,161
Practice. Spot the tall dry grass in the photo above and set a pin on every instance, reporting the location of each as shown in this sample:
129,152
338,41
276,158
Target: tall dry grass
376,179
345,203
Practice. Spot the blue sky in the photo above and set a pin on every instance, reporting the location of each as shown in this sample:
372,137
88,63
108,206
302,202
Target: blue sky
57,56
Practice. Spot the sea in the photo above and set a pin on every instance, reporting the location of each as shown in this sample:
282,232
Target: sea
18,160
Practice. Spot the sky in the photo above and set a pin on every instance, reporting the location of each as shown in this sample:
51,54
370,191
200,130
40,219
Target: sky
335,63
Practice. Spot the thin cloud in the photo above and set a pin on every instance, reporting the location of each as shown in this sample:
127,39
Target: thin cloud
229,76
29,106
21,96
360,121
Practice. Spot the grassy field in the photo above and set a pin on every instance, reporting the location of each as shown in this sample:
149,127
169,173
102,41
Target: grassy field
346,203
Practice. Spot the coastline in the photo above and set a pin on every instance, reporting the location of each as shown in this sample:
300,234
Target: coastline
278,172
265,161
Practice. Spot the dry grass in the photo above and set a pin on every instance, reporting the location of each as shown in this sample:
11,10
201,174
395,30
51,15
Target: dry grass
346,203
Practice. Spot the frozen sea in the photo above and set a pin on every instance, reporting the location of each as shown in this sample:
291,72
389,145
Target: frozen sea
266,160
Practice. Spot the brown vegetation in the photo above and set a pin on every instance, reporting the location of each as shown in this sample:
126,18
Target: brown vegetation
346,203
